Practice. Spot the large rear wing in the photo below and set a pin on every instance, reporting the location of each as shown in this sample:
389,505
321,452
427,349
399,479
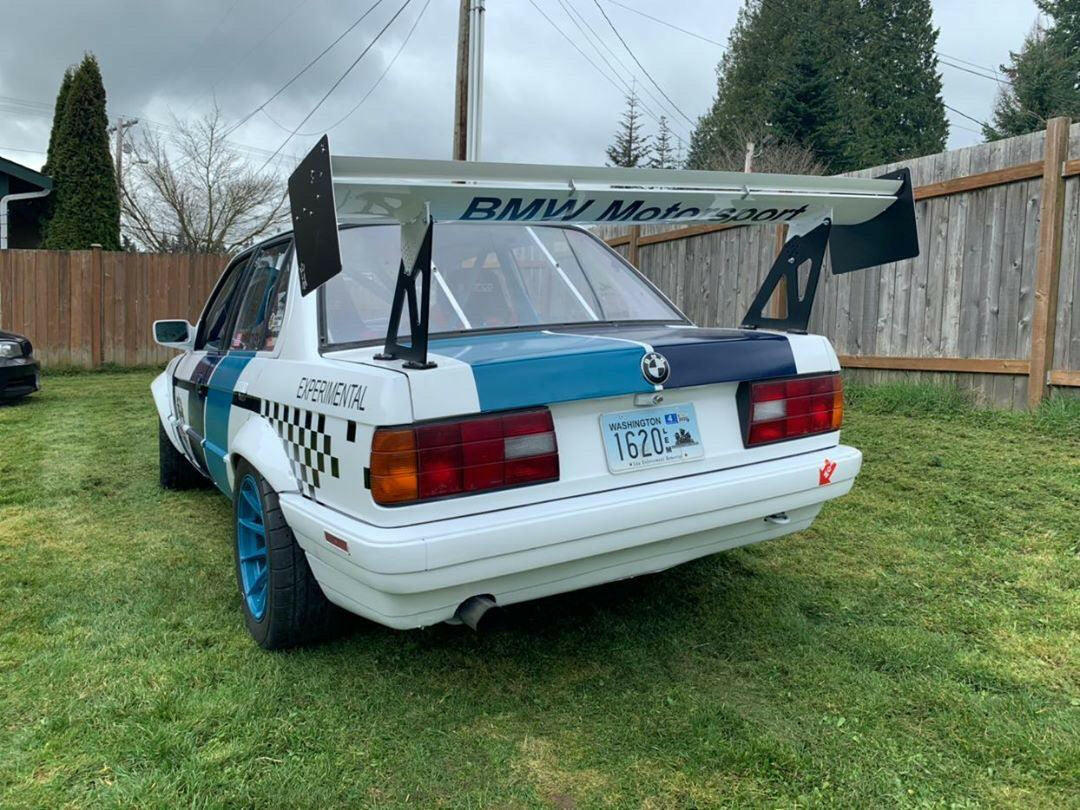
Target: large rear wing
867,222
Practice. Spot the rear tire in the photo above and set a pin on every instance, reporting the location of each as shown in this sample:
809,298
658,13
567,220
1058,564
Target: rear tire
174,470
282,602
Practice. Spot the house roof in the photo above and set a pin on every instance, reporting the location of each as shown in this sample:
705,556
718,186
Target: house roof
24,173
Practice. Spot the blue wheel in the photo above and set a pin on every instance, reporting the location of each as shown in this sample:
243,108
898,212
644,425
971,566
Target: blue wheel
282,602
251,549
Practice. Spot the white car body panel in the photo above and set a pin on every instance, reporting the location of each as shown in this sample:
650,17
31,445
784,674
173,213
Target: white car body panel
412,565
416,575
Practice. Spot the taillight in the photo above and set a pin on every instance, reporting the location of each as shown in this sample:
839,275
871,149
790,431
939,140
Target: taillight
463,456
788,409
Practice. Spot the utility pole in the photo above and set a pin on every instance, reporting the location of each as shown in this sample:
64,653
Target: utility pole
468,89
119,127
461,86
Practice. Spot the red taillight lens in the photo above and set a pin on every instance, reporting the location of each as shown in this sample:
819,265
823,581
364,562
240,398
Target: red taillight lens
463,456
792,408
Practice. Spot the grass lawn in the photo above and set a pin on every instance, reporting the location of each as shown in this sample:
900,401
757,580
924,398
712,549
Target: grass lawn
920,645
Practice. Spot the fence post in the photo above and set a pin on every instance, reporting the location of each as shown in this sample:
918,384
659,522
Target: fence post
1048,259
97,276
632,246
779,302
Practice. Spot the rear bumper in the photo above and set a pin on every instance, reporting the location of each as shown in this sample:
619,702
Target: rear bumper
413,576
18,377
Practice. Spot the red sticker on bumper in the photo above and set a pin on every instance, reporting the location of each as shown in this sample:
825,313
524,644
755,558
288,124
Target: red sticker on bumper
825,473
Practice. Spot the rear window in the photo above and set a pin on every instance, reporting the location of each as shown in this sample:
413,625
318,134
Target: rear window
488,277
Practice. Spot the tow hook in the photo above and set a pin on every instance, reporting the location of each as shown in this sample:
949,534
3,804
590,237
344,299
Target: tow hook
780,519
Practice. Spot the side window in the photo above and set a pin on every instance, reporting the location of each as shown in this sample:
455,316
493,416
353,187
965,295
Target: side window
262,309
212,328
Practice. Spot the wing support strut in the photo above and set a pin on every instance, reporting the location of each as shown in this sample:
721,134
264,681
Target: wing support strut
810,247
414,354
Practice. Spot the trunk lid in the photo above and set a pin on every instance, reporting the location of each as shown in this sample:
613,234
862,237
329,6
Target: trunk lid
587,374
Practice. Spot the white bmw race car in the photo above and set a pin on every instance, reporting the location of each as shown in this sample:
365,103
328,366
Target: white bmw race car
439,394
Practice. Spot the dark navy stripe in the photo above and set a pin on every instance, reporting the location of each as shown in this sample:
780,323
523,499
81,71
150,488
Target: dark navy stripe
200,376
703,356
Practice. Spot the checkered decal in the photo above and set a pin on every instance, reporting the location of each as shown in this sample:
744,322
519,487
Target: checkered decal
307,443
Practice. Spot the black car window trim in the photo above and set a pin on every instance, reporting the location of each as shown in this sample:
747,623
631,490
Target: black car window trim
237,265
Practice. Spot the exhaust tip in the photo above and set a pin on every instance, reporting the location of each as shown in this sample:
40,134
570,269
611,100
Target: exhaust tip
481,614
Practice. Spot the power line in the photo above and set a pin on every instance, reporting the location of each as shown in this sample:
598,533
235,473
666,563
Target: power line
570,12
638,62
974,72
229,71
965,115
17,149
966,129
366,95
27,107
378,81
340,79
966,62
669,25
304,69
586,57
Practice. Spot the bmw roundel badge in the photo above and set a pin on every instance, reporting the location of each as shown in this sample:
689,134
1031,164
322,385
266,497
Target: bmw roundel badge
654,368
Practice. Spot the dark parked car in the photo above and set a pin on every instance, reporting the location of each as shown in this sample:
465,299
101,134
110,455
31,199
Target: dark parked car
20,373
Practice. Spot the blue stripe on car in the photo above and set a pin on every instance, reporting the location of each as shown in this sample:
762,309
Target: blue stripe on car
218,407
521,369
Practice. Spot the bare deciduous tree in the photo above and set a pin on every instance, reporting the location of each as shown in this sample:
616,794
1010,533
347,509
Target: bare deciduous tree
770,156
194,192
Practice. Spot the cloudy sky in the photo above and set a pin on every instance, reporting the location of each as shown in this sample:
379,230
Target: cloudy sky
543,100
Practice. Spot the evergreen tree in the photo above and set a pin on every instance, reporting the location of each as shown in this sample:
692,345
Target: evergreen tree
1064,34
854,81
663,156
898,104
58,116
744,79
46,206
1044,77
86,209
631,146
806,107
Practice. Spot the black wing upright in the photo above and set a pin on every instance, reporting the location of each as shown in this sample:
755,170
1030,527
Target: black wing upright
809,247
314,218
889,237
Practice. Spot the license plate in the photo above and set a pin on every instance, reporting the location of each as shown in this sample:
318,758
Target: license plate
650,437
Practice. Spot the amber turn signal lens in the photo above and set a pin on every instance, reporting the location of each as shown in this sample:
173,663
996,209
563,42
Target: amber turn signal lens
393,466
838,405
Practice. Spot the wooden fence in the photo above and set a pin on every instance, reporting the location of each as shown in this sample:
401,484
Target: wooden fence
990,304
86,308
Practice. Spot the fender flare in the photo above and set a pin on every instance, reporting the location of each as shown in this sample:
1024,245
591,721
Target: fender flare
258,444
159,389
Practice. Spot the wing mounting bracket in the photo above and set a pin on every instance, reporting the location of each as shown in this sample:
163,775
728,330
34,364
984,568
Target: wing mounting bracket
810,247
414,354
